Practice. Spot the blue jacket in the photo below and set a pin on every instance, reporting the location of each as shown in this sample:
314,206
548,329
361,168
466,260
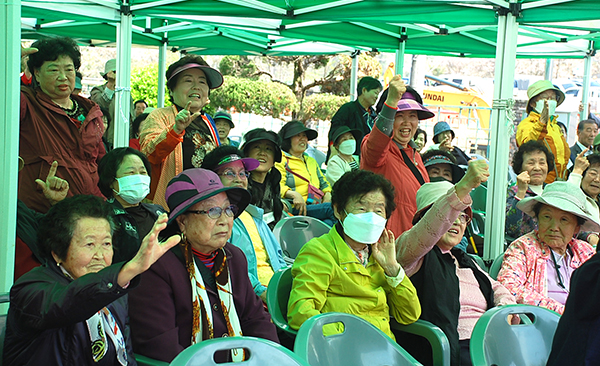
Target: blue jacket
241,239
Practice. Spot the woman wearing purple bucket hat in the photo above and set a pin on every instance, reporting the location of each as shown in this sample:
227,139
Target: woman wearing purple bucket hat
200,289
389,150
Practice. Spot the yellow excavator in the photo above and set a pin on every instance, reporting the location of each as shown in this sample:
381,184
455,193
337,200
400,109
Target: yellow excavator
464,108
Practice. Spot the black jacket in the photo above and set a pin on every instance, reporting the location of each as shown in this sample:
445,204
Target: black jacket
578,334
128,238
46,322
351,114
438,289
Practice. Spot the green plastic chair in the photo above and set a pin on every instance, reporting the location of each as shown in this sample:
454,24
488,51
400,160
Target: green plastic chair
496,265
293,232
495,342
278,295
147,361
436,337
259,352
4,298
479,197
360,343
479,261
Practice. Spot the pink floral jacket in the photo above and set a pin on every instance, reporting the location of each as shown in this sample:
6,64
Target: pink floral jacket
523,270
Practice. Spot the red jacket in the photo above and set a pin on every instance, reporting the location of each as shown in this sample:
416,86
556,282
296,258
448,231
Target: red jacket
48,134
380,154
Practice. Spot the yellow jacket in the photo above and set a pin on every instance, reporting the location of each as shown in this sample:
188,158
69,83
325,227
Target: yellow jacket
550,135
308,168
329,278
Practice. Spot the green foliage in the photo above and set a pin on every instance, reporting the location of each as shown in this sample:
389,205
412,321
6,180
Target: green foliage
144,85
321,106
264,98
240,66
340,85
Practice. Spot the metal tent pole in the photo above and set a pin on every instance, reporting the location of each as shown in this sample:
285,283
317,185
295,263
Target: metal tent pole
10,37
123,87
500,131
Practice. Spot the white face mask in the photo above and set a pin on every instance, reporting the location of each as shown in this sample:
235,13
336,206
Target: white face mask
365,228
539,106
133,188
347,147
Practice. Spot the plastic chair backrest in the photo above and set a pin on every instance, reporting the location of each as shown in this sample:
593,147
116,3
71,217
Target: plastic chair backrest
479,261
479,197
495,342
259,352
4,298
293,232
440,347
147,361
278,295
496,265
360,343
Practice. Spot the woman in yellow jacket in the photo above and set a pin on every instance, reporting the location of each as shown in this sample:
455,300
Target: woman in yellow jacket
540,125
353,268
302,181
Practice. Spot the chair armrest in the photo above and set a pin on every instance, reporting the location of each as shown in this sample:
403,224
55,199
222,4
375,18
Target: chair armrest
147,361
440,346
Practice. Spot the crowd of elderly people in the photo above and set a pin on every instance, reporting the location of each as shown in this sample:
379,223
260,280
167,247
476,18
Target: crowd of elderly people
153,250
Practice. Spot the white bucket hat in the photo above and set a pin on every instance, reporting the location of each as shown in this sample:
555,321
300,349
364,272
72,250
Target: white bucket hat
428,194
567,197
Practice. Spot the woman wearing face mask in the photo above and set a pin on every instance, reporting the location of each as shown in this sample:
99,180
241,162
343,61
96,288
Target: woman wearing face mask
125,181
344,141
353,268
540,125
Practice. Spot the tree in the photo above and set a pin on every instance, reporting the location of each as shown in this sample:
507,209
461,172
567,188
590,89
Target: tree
239,66
321,106
337,80
265,98
144,85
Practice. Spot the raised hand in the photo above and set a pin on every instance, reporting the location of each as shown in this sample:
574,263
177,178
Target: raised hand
581,162
478,172
184,118
384,252
523,180
446,144
396,89
545,115
54,188
150,251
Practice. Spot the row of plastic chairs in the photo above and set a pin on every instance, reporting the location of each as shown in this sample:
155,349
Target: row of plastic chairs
530,341
493,342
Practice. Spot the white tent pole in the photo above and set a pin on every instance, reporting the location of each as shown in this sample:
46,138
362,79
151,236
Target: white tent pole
500,130
10,37
587,71
162,68
123,91
400,54
354,75
549,68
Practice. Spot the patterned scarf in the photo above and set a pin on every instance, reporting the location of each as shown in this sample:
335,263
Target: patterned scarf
202,327
97,325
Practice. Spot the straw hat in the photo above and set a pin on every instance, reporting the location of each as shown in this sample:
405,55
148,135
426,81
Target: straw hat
567,197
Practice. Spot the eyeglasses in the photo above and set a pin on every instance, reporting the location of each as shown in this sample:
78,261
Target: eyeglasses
464,218
216,212
231,175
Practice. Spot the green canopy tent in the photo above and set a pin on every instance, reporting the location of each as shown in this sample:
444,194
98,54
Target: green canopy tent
469,28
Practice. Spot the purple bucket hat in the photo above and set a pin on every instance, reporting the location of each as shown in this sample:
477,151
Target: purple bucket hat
413,105
194,185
